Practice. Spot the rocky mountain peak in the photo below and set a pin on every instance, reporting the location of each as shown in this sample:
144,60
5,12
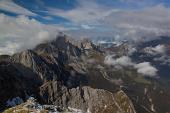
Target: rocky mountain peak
55,73
87,44
27,58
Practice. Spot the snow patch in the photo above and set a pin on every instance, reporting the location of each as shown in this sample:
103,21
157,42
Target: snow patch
14,101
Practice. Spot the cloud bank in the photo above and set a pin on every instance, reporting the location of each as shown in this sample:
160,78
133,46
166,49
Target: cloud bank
148,22
144,68
20,33
129,24
86,12
88,18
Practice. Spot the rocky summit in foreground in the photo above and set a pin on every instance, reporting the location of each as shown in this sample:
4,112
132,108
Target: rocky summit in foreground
65,75
92,101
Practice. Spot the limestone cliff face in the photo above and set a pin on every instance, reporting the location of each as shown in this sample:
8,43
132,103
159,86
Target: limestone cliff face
36,63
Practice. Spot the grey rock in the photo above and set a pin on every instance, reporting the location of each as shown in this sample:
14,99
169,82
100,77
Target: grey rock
87,99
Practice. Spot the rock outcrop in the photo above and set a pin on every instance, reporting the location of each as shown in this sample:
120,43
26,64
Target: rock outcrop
87,99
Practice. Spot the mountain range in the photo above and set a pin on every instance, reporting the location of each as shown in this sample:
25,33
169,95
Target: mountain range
118,77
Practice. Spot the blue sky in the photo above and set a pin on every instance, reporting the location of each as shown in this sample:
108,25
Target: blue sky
43,13
26,23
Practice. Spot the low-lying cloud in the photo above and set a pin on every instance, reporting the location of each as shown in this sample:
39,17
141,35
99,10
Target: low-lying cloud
121,61
144,68
164,60
159,49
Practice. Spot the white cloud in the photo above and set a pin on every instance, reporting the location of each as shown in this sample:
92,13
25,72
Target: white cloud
86,11
129,24
153,21
20,33
9,5
159,49
131,50
121,61
146,69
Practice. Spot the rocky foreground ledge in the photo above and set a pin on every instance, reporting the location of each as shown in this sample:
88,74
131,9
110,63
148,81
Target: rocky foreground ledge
81,100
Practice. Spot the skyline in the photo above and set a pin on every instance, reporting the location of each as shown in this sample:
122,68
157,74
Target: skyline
26,23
